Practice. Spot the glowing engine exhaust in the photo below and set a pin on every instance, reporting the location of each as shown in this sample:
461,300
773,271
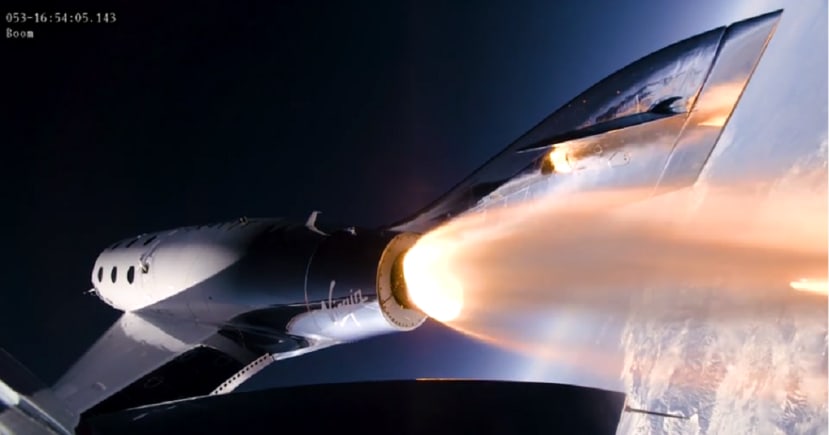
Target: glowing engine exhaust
431,285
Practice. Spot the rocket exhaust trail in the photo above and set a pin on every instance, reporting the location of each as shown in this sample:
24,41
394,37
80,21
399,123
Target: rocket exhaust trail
496,274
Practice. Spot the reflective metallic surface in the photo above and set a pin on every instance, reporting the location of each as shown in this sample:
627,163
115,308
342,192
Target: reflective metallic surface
766,374
735,63
700,79
255,291
765,138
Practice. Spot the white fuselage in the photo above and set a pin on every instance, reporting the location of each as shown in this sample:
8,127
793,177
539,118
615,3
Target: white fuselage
141,271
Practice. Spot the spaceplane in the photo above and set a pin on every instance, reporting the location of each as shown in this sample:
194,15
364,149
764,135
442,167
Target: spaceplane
206,307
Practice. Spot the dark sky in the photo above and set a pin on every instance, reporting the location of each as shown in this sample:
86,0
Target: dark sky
194,112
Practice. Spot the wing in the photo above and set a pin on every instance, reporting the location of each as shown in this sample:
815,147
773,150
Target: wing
382,407
132,347
650,125
144,360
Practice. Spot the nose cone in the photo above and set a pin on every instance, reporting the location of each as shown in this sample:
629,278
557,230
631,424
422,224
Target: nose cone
115,276
150,268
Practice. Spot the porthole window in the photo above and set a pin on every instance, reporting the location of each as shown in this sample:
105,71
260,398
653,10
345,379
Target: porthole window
113,274
131,274
100,273
148,241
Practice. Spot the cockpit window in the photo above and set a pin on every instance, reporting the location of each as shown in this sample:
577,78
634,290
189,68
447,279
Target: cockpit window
100,273
131,274
113,274
148,241
132,242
